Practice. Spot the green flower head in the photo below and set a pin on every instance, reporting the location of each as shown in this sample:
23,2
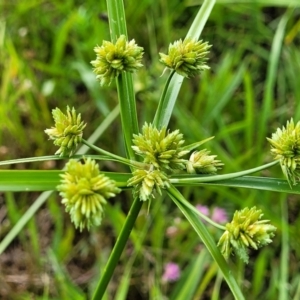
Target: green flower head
285,146
85,191
188,58
112,59
246,230
67,133
203,163
160,148
146,183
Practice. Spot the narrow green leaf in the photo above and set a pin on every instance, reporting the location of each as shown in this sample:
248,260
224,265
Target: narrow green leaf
284,3
197,144
40,180
174,81
51,157
24,180
271,77
186,287
207,239
284,256
127,110
117,23
253,182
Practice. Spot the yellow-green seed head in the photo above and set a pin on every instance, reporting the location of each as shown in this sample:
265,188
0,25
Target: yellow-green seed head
68,130
146,183
246,230
188,58
160,148
203,163
285,146
85,191
112,59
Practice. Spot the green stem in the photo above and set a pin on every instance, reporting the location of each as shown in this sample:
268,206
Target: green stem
117,24
163,114
214,178
118,249
200,20
284,256
126,161
128,110
207,219
174,81
208,241
116,18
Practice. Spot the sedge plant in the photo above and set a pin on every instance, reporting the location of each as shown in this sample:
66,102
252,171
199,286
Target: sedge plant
158,157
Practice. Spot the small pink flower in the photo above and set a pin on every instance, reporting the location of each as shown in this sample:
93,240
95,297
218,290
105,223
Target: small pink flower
171,272
219,215
203,209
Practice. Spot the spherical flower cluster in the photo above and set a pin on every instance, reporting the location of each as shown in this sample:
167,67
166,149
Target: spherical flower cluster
112,59
85,191
160,148
148,182
246,230
203,163
68,130
188,58
285,146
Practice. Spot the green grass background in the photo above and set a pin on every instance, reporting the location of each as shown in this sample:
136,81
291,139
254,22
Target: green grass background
252,88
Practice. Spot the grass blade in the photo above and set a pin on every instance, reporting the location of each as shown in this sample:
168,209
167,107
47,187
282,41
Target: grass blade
174,82
206,238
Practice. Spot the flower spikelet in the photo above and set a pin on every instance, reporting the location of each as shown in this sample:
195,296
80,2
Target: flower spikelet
246,230
112,59
148,182
68,130
85,191
203,163
188,58
285,146
160,148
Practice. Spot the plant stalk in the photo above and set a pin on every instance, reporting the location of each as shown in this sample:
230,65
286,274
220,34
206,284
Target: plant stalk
118,249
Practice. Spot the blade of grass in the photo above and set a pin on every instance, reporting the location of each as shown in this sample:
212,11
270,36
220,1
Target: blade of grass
117,23
210,273
284,255
207,239
217,286
118,249
23,220
249,108
37,180
174,82
271,78
259,272
252,182
186,287
284,3
67,289
18,181
201,178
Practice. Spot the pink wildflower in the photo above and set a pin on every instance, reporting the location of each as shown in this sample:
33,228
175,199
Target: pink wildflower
203,209
171,272
219,215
